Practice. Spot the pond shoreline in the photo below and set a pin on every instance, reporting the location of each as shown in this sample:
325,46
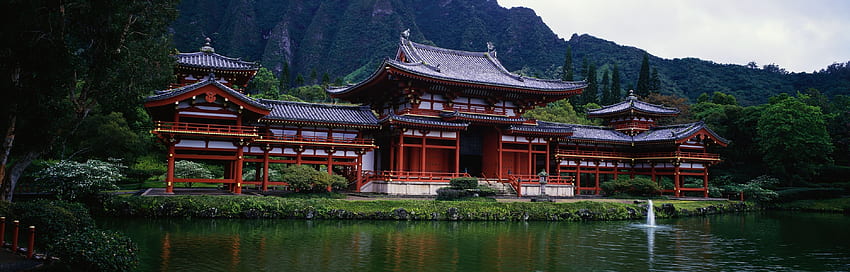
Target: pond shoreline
256,207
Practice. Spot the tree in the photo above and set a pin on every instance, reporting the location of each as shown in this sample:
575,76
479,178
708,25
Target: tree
643,83
72,180
654,81
723,99
591,94
284,77
299,81
616,90
190,169
793,139
64,61
606,89
559,111
672,101
567,69
265,83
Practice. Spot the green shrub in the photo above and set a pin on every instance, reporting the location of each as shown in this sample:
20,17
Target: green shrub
794,194
72,180
484,190
323,180
756,189
464,183
448,193
52,218
95,250
299,177
638,186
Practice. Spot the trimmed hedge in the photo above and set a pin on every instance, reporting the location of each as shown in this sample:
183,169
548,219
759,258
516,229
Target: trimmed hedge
464,183
274,207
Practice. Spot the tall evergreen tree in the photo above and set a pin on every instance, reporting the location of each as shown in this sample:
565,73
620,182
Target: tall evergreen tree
568,65
605,86
591,94
654,81
585,66
643,82
314,77
284,77
616,90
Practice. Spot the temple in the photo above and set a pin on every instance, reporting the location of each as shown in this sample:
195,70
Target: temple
422,118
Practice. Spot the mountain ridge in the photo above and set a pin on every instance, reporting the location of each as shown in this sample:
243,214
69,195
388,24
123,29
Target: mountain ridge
346,39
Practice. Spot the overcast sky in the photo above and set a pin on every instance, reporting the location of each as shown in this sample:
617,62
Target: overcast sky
798,35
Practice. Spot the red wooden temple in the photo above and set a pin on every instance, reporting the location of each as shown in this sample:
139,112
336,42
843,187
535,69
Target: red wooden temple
428,115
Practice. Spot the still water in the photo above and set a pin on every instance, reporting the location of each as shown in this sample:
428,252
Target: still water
770,241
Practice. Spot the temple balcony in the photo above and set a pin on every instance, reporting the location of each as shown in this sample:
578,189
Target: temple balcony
581,154
161,127
316,140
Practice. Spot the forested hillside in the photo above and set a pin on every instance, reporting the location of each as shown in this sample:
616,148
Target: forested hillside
346,39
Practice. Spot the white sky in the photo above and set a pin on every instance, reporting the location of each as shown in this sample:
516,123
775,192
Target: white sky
798,35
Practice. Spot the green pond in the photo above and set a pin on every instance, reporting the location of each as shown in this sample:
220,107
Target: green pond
769,241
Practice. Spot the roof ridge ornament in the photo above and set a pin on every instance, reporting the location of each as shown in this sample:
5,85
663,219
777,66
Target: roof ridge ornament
207,48
491,49
405,34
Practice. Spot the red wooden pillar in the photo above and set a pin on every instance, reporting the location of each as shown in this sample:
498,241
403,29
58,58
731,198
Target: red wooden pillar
265,169
578,175
499,150
15,235
596,189
359,167
676,178
422,157
457,152
31,242
237,170
705,181
169,176
400,163
616,170
2,231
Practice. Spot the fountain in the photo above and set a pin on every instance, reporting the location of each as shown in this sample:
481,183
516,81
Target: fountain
650,214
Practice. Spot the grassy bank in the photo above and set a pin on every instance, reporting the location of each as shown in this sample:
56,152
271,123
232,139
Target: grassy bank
819,205
207,206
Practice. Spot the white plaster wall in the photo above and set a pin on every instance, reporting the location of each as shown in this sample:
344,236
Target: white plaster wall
551,190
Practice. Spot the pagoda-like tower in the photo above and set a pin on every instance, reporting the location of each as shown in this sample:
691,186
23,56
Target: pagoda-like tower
632,116
198,66
449,113
676,156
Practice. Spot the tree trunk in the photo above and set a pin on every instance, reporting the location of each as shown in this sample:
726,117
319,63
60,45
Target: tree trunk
8,142
14,174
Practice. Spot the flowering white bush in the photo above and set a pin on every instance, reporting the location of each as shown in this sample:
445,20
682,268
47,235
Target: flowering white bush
71,180
190,169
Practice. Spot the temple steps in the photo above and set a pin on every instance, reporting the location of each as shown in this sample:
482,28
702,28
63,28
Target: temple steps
502,187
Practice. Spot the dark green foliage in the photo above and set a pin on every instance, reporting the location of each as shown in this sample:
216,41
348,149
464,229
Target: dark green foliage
51,218
616,90
464,183
644,84
95,250
794,194
638,186
567,69
793,139
756,189
276,207
449,193
305,178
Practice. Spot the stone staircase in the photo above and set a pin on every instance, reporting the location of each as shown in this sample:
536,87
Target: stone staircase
502,188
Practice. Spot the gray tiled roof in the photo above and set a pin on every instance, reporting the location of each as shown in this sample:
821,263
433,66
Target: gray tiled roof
425,121
322,113
656,134
166,94
215,61
481,117
675,132
543,127
463,66
632,103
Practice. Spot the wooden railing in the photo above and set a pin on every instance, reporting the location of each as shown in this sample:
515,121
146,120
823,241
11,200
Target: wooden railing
316,139
417,176
207,129
478,109
623,155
